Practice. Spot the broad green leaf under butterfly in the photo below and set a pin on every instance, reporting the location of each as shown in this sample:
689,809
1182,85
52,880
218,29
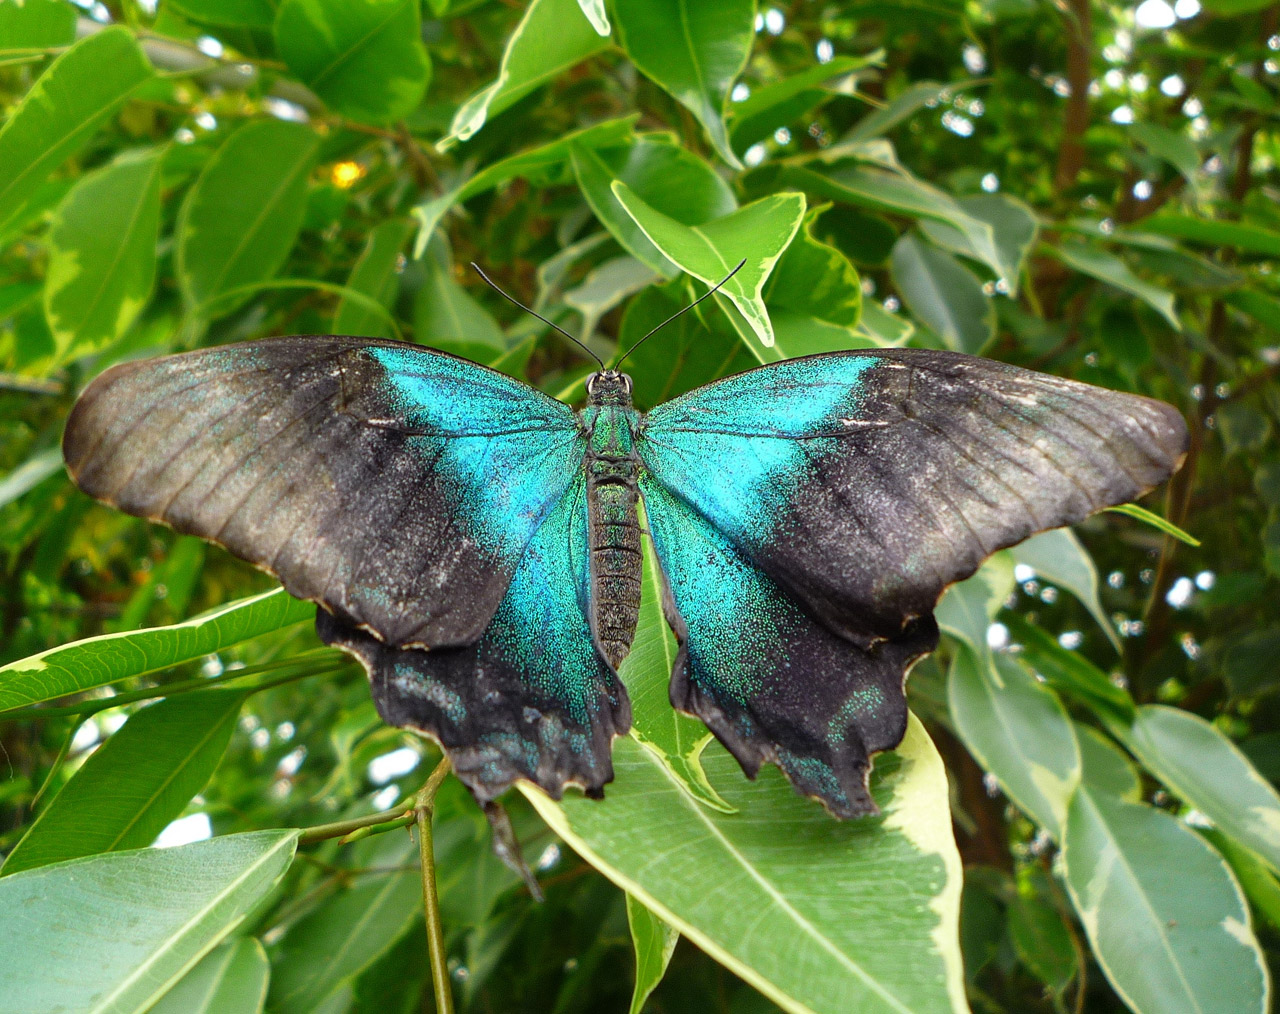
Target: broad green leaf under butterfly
73,98
552,36
135,783
102,254
364,58
693,50
110,934
97,661
241,217
810,893
1163,947
677,739
758,233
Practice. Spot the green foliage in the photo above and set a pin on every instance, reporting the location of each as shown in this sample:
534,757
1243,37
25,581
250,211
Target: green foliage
1057,187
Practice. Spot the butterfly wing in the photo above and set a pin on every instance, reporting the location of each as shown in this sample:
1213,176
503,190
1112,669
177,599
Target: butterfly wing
395,485
858,486
533,698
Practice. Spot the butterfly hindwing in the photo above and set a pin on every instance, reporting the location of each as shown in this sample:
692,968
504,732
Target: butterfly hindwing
394,485
866,482
768,679
533,698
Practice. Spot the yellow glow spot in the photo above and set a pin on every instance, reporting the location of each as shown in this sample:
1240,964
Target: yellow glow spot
346,173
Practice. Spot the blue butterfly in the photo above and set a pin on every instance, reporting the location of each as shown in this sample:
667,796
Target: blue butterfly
477,544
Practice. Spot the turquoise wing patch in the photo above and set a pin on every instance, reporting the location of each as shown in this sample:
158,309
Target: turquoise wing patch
532,698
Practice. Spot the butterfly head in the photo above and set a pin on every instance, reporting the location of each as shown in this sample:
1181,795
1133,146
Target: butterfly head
609,387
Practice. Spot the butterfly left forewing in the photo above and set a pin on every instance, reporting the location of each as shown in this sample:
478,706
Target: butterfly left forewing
394,485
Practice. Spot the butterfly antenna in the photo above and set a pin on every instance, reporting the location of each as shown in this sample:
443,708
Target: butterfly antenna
497,288
709,292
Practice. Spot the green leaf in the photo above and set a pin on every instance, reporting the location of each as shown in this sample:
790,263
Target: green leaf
102,254
1068,671
653,940
1162,946
1013,224
1058,557
377,274
693,50
550,38
1258,305
37,24
1169,146
943,294
814,279
446,316
666,177
258,14
364,58
64,108
1106,768
1042,942
1207,771
1018,731
1255,876
344,935
527,163
607,285
758,233
29,475
1109,268
880,121
826,917
230,979
97,661
903,194
129,790
882,327
1208,232
597,15
967,609
112,933
238,223
1156,521
676,739
783,101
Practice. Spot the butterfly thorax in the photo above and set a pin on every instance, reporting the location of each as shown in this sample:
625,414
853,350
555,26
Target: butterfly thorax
610,424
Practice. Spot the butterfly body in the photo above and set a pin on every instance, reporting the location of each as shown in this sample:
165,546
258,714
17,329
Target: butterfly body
476,543
612,466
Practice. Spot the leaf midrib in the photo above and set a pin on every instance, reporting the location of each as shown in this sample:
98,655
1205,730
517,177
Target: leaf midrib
779,899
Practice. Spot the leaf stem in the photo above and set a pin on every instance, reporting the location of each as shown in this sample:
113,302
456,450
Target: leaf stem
430,896
88,708
397,816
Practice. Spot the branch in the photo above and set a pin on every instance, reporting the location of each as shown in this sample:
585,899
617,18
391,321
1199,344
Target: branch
1076,119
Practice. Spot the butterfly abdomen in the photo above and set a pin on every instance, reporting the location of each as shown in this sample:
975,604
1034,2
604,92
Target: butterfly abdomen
614,528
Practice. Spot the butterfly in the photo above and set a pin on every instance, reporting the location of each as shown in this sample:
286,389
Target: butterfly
476,544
